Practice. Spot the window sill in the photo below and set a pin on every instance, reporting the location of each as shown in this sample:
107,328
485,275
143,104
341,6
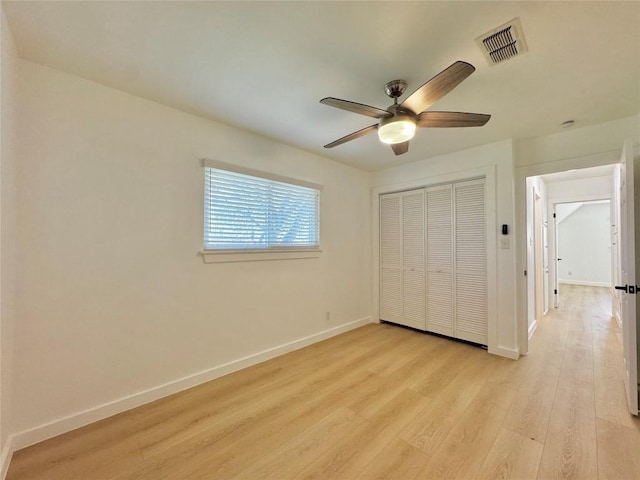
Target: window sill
210,256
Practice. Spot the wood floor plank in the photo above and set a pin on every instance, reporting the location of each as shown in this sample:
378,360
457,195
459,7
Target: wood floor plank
397,461
444,369
99,451
304,448
618,451
531,408
610,393
512,456
347,458
466,446
432,424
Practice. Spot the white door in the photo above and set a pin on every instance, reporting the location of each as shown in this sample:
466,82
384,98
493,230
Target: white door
390,258
471,311
545,265
628,270
413,275
441,296
538,254
556,285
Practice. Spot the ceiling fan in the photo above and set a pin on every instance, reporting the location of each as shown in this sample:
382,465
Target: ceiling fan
397,124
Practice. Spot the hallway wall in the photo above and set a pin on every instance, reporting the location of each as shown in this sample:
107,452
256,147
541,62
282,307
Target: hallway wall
584,244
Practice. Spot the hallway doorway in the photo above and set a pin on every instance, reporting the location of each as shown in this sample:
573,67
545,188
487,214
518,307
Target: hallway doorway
565,202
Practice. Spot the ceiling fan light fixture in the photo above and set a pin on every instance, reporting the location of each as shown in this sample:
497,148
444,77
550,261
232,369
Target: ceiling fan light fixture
396,129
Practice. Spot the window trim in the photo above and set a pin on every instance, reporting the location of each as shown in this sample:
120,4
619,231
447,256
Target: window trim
260,254
216,256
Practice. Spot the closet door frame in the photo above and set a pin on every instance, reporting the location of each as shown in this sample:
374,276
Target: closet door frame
492,228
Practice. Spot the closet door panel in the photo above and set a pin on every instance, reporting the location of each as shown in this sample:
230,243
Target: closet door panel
390,258
413,287
471,262
440,249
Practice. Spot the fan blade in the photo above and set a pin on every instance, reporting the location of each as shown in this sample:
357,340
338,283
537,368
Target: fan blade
354,107
451,119
438,87
400,148
353,136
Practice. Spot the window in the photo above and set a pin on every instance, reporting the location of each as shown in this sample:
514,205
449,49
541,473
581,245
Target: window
247,210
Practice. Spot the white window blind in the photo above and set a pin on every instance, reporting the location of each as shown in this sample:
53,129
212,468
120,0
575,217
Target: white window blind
248,212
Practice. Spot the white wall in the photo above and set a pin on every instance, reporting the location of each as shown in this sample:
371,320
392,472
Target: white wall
583,189
497,156
113,298
8,162
584,244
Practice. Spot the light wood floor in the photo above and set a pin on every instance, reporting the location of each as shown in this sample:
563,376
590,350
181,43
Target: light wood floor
382,402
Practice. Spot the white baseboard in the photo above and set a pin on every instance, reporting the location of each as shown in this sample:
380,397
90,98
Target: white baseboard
80,419
586,283
5,457
532,328
511,353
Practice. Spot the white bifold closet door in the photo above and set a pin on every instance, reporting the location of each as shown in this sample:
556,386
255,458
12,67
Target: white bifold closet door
402,275
433,259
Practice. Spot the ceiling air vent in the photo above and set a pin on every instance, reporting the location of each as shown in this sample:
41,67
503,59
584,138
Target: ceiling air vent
503,43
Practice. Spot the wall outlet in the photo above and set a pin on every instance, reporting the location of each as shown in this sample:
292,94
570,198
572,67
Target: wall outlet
327,316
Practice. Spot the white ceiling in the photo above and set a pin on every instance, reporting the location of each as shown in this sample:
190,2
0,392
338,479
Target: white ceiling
264,66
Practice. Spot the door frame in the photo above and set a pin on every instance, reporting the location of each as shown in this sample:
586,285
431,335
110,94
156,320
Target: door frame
521,194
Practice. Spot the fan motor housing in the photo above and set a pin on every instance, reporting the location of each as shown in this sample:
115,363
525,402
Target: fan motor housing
395,88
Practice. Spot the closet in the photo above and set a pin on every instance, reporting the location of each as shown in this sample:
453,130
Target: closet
433,259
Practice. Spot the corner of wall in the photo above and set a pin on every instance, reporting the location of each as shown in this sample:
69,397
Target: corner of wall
5,457
8,164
